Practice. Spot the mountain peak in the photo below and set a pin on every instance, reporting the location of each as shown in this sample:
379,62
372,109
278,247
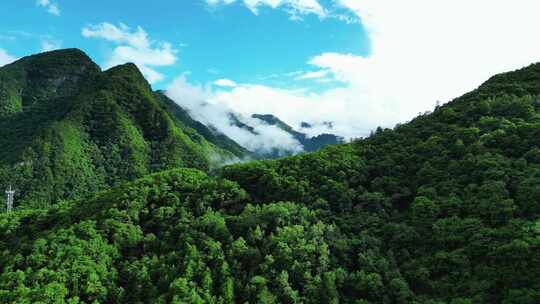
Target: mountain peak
74,59
71,52
128,71
43,76
520,82
274,121
126,67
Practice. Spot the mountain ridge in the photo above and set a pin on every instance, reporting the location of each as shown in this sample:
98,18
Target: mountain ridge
442,209
310,144
70,128
304,142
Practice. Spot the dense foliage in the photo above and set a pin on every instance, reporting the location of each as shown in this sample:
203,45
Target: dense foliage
447,204
444,209
67,129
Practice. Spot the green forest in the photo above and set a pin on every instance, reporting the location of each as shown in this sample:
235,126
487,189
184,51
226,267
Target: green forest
442,209
68,129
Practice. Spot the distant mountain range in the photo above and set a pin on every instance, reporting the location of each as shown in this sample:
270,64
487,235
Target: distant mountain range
310,144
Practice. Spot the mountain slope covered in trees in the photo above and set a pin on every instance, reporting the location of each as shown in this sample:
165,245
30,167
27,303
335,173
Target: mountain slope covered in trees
67,128
443,209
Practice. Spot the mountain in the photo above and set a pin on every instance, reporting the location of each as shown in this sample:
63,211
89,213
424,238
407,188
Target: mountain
444,209
211,134
308,144
68,128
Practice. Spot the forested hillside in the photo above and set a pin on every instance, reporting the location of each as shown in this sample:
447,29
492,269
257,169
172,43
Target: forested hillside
444,209
67,129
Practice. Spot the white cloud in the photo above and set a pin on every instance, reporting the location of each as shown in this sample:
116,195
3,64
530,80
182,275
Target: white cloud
321,74
206,106
225,83
422,51
134,46
5,58
50,44
425,51
340,106
295,8
51,7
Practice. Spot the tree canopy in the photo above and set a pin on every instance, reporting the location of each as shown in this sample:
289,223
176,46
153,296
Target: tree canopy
443,209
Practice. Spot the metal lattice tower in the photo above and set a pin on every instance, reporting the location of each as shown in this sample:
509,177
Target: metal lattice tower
9,203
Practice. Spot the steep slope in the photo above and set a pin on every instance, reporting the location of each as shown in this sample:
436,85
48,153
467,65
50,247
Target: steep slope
38,77
211,135
68,129
444,209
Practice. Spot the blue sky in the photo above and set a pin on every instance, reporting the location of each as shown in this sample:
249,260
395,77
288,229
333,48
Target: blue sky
210,41
357,63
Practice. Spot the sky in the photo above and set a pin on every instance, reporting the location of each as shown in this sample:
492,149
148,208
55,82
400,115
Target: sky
359,64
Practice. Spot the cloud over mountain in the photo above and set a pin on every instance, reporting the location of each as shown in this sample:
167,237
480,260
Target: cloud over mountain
206,105
5,58
444,45
48,44
133,46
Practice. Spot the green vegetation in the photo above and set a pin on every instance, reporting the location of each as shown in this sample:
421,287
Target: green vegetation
195,128
67,129
444,209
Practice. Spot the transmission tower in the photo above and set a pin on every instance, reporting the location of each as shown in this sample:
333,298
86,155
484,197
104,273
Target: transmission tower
9,203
